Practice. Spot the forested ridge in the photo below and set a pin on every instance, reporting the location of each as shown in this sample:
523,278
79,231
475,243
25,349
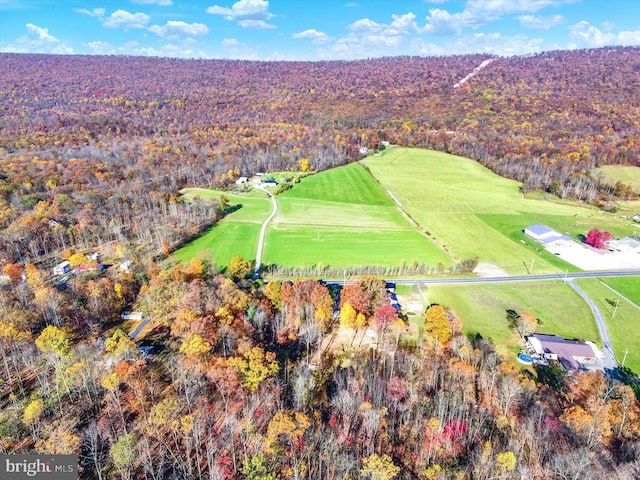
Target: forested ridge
105,141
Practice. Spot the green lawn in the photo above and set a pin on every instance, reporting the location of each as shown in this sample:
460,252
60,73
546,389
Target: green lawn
338,218
236,234
627,174
624,327
627,286
474,212
342,218
483,308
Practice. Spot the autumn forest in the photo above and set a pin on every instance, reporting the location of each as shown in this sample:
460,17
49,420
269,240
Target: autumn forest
241,378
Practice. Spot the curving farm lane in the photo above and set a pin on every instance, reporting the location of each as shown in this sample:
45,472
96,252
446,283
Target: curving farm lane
256,273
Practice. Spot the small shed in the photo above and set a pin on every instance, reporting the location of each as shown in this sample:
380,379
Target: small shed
241,180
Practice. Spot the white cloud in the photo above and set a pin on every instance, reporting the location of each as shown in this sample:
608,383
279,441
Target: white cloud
493,9
364,25
538,22
492,43
586,35
441,22
153,2
482,12
38,40
236,50
313,34
248,13
101,48
351,5
125,20
96,12
404,25
176,28
168,50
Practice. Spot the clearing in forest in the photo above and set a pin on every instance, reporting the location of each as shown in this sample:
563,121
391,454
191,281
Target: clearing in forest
339,218
342,218
482,309
476,213
627,174
236,234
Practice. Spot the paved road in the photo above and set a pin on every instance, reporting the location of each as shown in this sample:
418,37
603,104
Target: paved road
135,333
515,278
609,361
264,229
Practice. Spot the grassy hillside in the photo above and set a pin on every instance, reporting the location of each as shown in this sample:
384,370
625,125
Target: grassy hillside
236,234
627,174
483,307
624,327
477,213
338,218
342,218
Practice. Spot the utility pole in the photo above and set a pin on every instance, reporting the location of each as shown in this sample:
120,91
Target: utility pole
624,359
615,309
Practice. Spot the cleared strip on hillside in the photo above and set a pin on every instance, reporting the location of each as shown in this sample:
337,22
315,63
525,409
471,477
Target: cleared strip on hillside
477,213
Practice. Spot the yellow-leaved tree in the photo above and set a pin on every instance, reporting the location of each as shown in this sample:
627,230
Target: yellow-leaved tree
255,366
379,467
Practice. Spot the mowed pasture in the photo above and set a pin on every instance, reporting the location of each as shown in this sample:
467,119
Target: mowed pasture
341,218
627,174
236,234
476,213
482,309
622,319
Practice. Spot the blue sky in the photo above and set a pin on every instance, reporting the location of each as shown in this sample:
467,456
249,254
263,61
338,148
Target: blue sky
314,29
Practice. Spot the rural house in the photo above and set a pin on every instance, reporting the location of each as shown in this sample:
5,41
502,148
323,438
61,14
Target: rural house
62,268
570,353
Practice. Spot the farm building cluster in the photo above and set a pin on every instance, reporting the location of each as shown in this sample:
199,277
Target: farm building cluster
621,253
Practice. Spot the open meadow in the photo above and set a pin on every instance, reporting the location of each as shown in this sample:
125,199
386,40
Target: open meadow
474,212
623,321
342,218
482,309
627,174
236,234
338,218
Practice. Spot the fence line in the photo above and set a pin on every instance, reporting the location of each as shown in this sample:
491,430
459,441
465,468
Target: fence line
620,295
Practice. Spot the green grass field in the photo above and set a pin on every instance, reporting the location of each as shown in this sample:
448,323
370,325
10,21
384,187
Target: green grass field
483,308
624,173
342,218
236,234
338,218
474,212
624,327
626,286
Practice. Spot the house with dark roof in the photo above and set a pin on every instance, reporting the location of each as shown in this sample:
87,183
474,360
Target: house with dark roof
570,353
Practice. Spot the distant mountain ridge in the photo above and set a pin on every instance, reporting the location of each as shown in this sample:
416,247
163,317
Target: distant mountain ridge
546,120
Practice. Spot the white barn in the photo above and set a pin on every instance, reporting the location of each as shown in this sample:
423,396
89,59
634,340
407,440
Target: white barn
546,235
